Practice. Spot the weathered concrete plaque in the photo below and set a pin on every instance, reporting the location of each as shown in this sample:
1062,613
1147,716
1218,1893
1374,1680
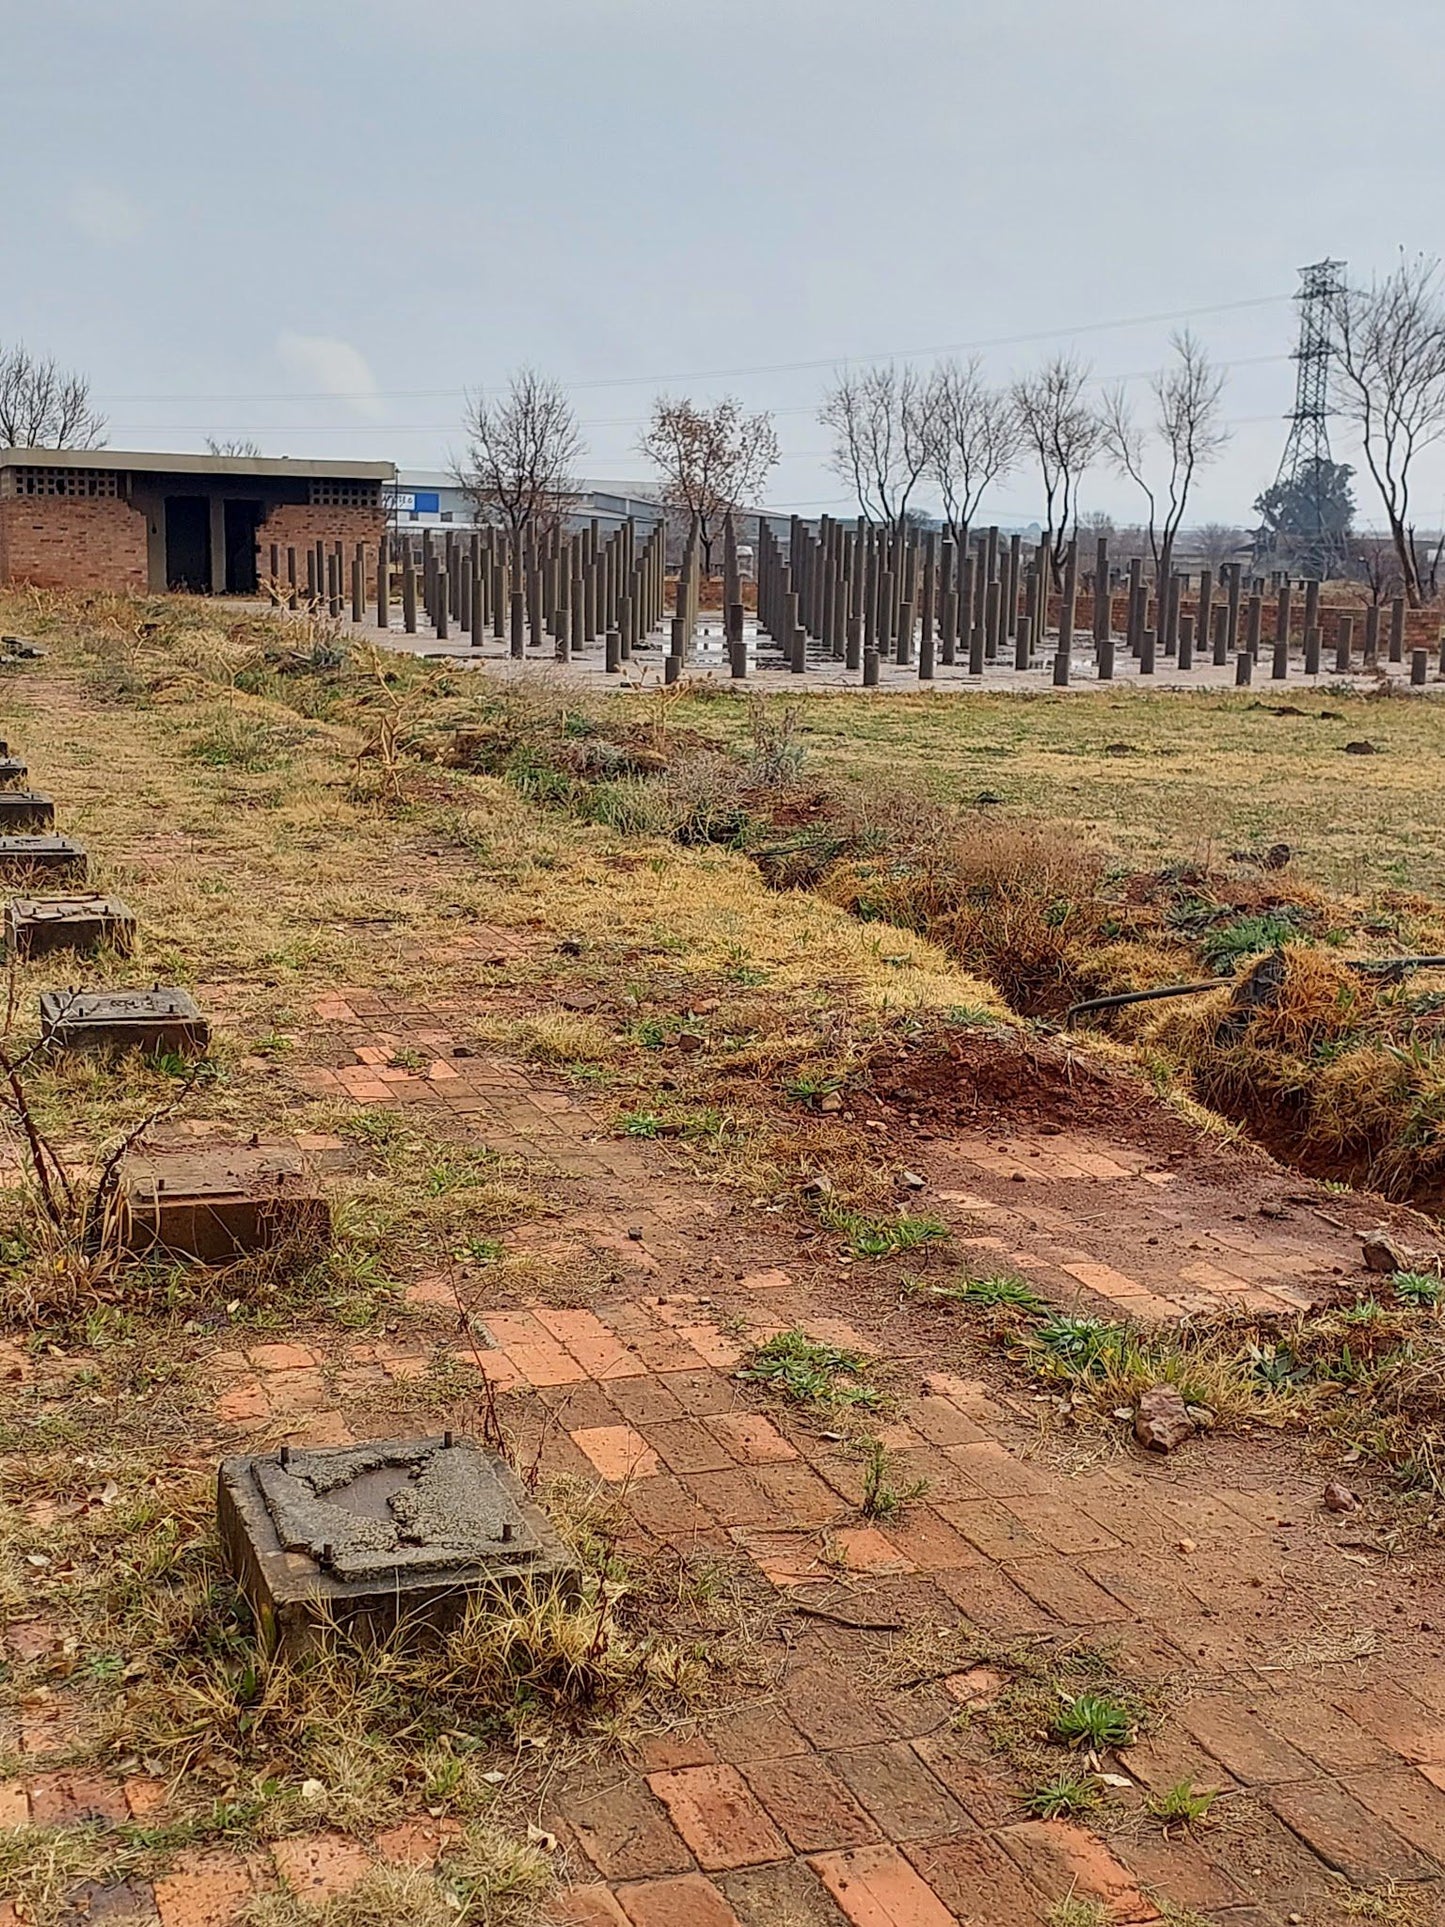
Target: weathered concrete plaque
371,1537
36,926
21,855
26,810
217,1202
12,771
155,1020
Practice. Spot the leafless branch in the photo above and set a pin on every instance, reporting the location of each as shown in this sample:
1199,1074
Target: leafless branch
1388,368
523,451
881,440
44,406
711,461
1062,433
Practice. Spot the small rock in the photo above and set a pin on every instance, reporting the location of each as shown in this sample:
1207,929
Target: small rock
1276,856
634,1231
818,1186
1362,749
987,796
830,1101
1339,1498
1272,1210
1380,1255
912,1180
1161,1419
570,947
689,1040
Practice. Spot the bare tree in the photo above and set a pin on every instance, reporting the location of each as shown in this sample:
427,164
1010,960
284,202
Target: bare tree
523,449
236,447
44,406
1062,433
1188,432
1216,543
879,419
1388,369
973,436
1375,559
711,461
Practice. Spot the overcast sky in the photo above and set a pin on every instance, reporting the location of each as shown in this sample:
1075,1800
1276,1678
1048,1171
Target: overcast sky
318,222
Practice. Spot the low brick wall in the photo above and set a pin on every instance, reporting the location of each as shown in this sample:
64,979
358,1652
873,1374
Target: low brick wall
54,542
301,525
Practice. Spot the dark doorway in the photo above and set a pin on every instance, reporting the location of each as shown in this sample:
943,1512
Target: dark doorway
188,543
242,521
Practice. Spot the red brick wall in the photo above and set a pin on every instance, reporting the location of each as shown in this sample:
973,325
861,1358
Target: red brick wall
59,542
300,525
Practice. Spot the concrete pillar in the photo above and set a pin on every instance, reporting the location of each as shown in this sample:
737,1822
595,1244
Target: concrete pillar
1243,669
1312,651
1103,601
443,612
1344,643
518,624
1146,652
1186,642
1397,629
383,583
1419,667
358,584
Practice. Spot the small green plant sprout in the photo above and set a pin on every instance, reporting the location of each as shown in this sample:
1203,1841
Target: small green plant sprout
1182,1805
1094,1720
808,1090
881,1498
482,1251
1066,1794
811,1373
641,1123
886,1237
1423,1289
1000,1289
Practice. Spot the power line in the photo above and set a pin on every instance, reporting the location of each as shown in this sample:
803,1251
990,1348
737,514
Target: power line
756,368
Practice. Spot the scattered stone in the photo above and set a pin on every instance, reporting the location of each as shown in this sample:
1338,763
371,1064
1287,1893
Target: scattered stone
634,1231
570,947
985,797
1272,1208
1339,1498
1362,749
912,1180
1161,1419
818,1186
689,1041
830,1101
1379,1254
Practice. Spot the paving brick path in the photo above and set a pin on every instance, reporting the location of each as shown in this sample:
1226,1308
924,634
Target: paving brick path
1301,1660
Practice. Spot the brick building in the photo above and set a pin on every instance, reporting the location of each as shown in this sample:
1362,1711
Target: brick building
105,519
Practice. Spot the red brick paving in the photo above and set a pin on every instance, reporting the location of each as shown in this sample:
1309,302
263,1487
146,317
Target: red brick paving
827,1799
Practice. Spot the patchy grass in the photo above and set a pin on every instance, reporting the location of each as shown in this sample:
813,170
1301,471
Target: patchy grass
811,1373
